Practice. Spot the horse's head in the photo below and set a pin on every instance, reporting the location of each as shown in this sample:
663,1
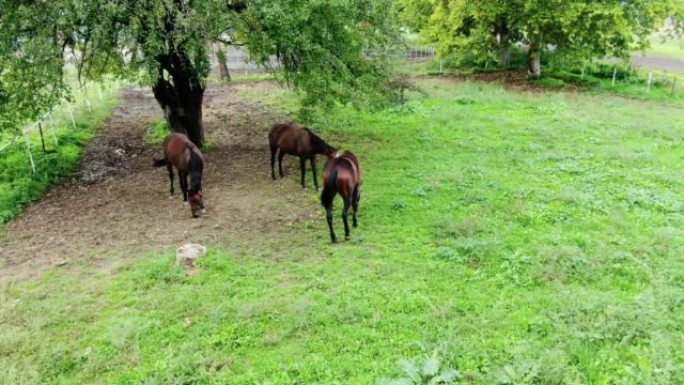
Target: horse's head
332,152
196,203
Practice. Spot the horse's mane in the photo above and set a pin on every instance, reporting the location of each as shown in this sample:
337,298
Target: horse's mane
316,142
195,167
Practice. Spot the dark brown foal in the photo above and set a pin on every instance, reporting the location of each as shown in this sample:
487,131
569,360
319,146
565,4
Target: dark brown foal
287,138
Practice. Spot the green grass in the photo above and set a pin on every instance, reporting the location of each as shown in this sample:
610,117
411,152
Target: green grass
18,184
238,77
548,82
156,133
521,238
665,47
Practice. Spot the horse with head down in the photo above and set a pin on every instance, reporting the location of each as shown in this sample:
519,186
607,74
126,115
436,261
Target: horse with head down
181,153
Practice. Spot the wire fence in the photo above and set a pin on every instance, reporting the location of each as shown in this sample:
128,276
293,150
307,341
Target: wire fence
83,100
672,80
238,60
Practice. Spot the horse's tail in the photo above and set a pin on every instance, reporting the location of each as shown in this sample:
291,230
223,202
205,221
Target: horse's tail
329,189
159,163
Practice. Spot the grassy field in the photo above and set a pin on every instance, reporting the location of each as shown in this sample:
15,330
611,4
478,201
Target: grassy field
518,238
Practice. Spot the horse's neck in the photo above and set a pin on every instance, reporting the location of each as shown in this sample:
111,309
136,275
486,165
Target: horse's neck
317,144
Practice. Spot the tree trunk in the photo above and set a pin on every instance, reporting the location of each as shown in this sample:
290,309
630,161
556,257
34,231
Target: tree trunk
504,52
534,59
180,96
504,43
222,63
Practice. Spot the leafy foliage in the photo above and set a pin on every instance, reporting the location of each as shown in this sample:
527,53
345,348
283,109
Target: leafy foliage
334,51
331,50
577,30
428,373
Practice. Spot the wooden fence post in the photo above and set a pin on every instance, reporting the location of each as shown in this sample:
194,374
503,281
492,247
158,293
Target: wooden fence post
674,81
28,148
42,139
52,128
71,115
85,97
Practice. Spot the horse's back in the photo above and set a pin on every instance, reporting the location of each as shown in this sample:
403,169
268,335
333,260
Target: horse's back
277,129
290,138
352,164
347,170
174,150
351,158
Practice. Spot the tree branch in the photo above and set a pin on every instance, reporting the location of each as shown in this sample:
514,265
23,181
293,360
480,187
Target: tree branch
231,43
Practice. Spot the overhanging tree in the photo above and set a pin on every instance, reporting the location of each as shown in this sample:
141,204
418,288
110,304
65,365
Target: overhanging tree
323,46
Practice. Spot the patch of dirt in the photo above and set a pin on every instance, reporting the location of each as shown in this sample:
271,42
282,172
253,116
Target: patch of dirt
117,206
110,152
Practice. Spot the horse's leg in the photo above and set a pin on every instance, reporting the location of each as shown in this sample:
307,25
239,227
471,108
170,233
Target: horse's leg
345,217
302,166
281,155
355,206
313,171
169,167
184,184
274,149
329,218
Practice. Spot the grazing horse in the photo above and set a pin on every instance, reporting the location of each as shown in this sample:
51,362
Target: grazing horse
341,175
181,153
299,141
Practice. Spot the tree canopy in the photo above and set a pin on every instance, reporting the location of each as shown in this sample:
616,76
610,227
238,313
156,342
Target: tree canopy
577,30
331,50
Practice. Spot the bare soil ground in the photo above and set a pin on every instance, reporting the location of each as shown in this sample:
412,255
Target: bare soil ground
117,206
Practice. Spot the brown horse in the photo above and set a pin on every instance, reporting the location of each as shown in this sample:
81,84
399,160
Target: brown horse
341,175
298,141
181,153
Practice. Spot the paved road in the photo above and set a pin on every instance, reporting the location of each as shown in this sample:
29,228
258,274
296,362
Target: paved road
659,63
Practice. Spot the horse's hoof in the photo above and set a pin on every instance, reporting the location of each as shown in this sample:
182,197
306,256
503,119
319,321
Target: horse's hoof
346,238
203,211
